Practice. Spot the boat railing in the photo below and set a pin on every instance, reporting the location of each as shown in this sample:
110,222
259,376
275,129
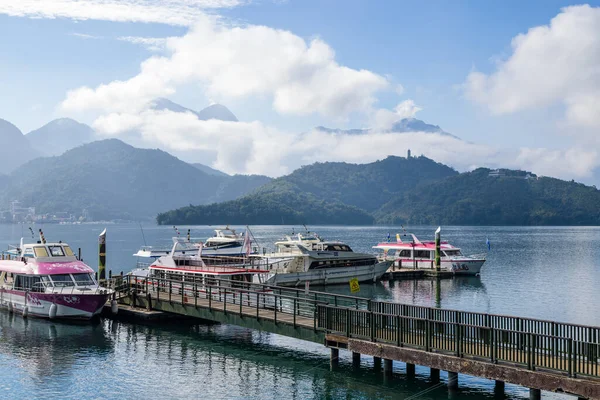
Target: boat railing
41,287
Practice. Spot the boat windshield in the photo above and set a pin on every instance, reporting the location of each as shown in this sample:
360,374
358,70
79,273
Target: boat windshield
84,279
68,251
62,280
40,251
56,251
453,253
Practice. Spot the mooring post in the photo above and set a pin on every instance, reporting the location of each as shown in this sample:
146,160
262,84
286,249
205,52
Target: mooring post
388,367
499,387
535,394
377,363
410,370
334,360
452,380
434,375
148,301
355,360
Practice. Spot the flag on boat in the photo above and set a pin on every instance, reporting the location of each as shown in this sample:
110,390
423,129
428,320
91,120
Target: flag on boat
488,244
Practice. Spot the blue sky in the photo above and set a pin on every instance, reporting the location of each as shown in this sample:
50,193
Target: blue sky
430,48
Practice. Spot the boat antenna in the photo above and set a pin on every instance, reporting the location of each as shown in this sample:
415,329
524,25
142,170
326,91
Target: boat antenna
305,228
176,230
143,236
252,235
189,235
42,238
32,234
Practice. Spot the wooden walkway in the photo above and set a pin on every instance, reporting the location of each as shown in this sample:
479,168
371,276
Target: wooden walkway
568,352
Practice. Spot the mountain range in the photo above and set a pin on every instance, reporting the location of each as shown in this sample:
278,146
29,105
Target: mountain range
403,191
405,125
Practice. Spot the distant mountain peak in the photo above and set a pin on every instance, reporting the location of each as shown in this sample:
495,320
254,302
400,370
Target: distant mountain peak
214,111
405,125
217,111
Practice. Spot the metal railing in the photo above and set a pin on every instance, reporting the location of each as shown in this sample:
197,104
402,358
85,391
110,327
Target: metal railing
530,343
467,337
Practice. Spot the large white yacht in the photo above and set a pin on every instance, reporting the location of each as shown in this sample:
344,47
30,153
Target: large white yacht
309,258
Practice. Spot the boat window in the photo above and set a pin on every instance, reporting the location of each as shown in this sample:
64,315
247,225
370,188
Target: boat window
40,251
68,251
404,253
452,253
28,252
56,251
60,280
28,282
423,254
83,279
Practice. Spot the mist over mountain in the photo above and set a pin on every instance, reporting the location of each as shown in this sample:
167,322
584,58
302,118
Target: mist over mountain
110,179
214,111
405,125
17,149
60,135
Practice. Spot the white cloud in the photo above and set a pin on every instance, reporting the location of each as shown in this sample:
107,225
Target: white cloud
234,62
384,119
85,36
171,12
151,43
252,147
549,65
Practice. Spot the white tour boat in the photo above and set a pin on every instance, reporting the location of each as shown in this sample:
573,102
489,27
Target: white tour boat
47,280
301,259
421,255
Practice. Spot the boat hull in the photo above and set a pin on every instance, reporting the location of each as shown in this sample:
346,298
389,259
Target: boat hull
68,306
463,266
330,276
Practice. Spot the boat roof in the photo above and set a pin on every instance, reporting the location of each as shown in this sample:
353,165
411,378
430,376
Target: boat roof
211,270
44,268
418,246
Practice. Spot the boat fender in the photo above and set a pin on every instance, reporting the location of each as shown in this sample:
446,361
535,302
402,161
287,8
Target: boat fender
114,308
25,311
52,311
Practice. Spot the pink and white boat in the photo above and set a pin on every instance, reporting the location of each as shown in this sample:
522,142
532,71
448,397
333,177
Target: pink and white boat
47,280
421,255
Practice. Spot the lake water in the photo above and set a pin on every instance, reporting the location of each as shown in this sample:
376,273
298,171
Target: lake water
546,272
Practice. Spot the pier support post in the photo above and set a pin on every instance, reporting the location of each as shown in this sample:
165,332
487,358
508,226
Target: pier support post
499,387
355,360
452,380
334,360
434,374
535,394
377,364
388,367
410,370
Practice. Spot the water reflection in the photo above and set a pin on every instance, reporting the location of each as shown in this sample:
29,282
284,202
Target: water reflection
47,348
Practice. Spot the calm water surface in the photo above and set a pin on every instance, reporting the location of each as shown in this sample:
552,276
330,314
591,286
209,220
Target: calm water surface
550,273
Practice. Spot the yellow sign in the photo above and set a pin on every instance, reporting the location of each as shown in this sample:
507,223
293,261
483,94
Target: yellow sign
354,286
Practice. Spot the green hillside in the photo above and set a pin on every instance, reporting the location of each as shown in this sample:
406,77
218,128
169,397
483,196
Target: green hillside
111,179
476,198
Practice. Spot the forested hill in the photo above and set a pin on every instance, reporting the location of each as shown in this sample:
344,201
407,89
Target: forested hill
111,179
321,193
514,198
367,186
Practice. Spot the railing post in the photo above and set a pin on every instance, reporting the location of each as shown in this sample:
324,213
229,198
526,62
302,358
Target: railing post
458,334
257,303
224,300
275,312
295,305
372,321
182,292
428,332
348,319
529,352
570,357
398,339
170,290
241,298
491,334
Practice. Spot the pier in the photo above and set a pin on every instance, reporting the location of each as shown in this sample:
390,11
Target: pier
537,354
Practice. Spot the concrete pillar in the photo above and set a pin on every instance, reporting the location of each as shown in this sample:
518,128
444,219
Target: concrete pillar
410,370
452,380
388,366
535,394
434,374
334,359
377,363
355,360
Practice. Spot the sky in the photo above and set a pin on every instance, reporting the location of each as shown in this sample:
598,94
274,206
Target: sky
517,82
